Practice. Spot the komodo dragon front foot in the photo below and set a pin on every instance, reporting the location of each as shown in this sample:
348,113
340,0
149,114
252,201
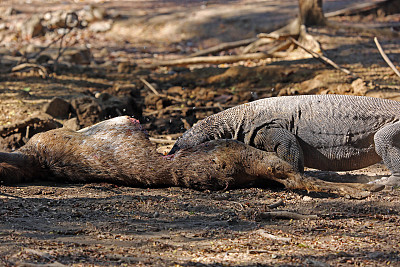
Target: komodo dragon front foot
352,190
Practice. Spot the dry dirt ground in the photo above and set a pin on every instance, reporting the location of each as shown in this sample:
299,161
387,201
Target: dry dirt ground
50,224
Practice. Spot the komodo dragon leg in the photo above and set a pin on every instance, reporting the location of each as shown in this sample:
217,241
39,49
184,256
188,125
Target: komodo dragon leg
283,142
387,146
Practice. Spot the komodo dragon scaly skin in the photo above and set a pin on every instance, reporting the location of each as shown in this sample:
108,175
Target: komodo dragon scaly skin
326,132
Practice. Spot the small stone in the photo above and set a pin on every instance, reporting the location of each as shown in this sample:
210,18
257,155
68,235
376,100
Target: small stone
307,198
72,124
57,107
156,214
101,26
87,109
43,59
80,56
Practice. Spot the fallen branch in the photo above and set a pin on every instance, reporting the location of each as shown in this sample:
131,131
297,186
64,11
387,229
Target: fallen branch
285,215
276,204
322,58
210,60
385,57
26,66
222,47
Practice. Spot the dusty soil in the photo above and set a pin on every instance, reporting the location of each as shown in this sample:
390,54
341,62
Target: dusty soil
102,224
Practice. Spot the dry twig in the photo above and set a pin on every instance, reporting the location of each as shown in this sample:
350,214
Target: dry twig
385,57
210,60
222,47
276,204
149,86
322,58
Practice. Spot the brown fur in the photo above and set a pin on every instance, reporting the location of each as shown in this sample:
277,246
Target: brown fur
119,151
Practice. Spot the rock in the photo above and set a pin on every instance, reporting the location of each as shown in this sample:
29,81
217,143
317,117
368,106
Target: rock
116,106
58,108
101,26
79,56
72,124
359,87
87,110
43,59
33,27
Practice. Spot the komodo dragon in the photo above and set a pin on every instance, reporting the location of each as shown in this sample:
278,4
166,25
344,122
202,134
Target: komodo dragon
325,132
